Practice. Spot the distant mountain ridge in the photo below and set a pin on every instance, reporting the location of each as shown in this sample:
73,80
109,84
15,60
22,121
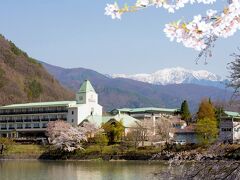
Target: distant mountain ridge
122,92
23,79
178,75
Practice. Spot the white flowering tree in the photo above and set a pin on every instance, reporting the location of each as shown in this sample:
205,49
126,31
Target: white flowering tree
65,137
200,33
90,129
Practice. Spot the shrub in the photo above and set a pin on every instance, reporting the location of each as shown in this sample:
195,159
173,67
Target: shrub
2,78
114,131
7,143
33,61
101,140
34,89
15,49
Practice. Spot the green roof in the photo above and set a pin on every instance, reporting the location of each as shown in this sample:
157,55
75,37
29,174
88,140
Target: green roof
86,87
148,109
127,121
38,104
232,114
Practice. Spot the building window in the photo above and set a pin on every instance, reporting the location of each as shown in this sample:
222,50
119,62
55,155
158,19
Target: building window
3,126
36,125
19,126
226,129
72,112
19,120
236,129
72,120
80,98
11,126
92,111
44,125
27,125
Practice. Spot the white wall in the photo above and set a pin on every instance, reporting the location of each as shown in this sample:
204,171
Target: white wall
72,118
236,131
82,111
87,98
87,104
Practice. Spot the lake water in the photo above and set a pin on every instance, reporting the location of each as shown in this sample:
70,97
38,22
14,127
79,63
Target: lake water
79,170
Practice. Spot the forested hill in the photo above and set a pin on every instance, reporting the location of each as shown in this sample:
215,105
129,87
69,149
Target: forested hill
121,92
23,79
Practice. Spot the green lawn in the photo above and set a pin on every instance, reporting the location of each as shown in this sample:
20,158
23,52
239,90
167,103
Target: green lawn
26,149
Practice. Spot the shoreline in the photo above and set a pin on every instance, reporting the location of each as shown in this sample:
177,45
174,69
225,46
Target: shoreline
118,161
185,153
104,159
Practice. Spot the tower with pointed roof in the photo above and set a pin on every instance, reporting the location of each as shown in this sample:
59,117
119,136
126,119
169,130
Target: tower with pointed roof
86,94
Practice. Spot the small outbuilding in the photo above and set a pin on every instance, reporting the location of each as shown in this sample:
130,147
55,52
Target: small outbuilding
230,127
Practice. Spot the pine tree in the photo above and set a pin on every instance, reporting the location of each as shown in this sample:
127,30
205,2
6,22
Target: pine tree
185,113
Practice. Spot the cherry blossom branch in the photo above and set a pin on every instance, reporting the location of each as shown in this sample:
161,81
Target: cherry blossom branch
201,33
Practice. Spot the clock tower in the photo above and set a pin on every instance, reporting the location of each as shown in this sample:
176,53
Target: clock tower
86,94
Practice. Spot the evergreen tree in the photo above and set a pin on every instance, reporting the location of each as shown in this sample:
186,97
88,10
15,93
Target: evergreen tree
185,113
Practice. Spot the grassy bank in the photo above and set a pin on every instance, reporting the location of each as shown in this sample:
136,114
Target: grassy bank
33,151
106,153
23,151
115,152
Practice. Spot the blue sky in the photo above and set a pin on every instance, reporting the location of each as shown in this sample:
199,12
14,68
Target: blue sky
75,33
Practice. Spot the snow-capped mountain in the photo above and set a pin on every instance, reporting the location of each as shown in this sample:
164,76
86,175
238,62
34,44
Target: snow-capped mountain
177,75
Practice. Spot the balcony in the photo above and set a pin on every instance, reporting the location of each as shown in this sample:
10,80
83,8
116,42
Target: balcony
36,120
34,112
19,120
3,121
27,120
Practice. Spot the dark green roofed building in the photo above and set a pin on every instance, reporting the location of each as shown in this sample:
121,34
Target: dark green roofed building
30,119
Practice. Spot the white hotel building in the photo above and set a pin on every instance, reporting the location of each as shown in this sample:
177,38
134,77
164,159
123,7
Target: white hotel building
29,120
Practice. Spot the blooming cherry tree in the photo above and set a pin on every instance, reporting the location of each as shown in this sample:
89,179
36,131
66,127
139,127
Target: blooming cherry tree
89,129
200,33
65,137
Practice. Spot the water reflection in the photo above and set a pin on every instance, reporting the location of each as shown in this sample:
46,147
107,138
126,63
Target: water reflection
84,170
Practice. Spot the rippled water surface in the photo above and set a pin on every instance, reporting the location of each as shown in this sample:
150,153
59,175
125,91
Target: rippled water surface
78,170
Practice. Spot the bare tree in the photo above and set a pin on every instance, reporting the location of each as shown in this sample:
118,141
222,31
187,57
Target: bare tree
210,170
164,129
234,78
137,135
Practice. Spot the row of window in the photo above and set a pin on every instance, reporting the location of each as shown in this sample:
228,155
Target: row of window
26,121
22,126
32,118
226,129
33,110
